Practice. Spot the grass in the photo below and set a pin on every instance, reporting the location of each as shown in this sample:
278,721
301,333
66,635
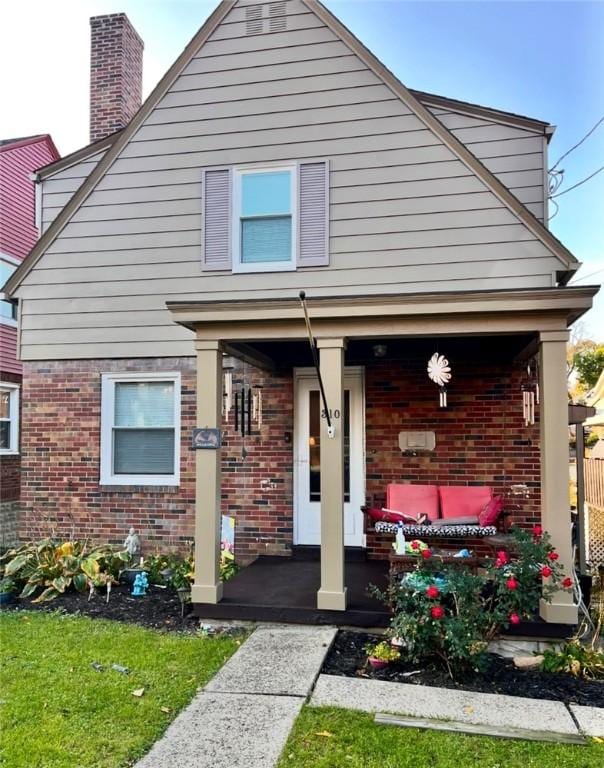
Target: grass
56,711
334,738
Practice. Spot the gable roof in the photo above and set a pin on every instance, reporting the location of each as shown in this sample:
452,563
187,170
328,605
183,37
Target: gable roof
23,141
567,261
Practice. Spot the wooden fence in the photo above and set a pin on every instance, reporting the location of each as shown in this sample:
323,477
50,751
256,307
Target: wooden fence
594,483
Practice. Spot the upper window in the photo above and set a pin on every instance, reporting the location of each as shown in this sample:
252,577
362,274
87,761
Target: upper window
264,219
9,418
8,310
140,429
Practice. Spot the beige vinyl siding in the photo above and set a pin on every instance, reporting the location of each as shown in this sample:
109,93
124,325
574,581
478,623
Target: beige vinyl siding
58,188
504,149
405,214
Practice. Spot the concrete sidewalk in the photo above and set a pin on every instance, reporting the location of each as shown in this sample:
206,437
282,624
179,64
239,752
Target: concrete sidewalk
490,709
244,715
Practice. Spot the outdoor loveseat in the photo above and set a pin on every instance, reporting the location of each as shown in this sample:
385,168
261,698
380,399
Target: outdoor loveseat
431,511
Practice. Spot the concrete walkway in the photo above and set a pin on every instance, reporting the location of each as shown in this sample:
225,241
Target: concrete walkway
244,715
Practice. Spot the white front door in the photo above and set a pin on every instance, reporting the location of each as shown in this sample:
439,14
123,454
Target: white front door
307,458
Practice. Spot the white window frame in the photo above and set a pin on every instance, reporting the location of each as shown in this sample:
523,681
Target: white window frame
108,382
9,321
269,266
13,406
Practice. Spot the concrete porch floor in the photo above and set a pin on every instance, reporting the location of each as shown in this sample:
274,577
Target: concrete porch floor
284,589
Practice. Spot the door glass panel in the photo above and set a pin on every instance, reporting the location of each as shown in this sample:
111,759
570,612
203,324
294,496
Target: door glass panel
314,445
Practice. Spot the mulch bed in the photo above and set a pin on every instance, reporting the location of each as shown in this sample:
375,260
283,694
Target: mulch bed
348,659
159,609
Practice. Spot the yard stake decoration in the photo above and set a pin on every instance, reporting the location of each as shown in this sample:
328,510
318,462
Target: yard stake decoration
439,372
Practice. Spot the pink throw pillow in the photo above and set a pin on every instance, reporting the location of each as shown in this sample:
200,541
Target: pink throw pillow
491,512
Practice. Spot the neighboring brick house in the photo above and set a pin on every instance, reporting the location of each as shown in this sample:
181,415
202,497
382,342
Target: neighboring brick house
18,234
279,154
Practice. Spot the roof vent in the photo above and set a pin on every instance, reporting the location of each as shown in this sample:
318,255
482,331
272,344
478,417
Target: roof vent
254,24
277,19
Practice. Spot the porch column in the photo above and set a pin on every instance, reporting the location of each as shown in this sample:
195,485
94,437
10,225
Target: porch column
555,504
208,587
332,594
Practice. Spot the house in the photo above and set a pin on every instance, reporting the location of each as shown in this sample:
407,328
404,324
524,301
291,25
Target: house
18,233
278,154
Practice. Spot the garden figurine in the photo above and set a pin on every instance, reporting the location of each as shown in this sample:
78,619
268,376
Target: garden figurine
132,544
141,585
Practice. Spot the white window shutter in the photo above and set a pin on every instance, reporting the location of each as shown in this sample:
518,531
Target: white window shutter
216,205
313,214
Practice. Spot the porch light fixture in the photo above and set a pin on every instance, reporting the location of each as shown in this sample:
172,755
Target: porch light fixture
379,350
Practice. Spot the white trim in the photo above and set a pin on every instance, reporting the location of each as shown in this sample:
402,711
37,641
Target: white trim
13,449
11,259
108,381
269,266
38,205
354,379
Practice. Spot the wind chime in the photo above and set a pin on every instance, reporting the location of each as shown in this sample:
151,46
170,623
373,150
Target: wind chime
530,394
439,371
247,403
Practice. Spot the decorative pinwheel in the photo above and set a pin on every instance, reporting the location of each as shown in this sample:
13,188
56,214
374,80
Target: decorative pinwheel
439,372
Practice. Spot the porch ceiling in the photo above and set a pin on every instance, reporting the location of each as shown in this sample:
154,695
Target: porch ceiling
284,355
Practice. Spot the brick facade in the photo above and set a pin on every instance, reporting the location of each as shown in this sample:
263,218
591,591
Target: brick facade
480,439
116,73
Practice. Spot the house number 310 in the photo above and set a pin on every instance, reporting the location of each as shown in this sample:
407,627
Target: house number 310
335,414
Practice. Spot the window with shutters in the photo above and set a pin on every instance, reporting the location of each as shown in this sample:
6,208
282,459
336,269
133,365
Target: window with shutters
140,429
265,219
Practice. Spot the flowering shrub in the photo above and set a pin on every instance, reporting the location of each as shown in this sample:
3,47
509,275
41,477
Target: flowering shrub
448,612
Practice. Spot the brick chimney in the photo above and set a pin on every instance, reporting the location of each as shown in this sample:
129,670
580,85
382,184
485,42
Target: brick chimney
116,73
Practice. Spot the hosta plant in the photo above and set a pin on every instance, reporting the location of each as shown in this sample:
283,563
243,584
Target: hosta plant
576,658
53,566
449,613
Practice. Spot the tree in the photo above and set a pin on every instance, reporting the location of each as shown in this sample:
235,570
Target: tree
589,364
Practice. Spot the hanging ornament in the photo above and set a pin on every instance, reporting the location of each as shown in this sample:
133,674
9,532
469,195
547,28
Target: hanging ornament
530,396
227,394
248,409
439,372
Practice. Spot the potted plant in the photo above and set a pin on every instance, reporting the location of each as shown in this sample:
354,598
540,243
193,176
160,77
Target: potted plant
381,654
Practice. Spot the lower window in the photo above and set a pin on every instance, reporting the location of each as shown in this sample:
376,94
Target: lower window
140,429
9,418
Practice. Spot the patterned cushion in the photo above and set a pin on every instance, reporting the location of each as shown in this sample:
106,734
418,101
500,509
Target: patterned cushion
441,531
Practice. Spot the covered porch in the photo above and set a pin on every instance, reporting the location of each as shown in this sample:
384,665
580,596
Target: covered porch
511,326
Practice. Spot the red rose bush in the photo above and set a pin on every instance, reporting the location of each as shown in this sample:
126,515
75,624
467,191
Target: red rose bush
449,613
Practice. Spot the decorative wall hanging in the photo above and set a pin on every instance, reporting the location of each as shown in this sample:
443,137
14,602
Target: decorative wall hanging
439,372
530,394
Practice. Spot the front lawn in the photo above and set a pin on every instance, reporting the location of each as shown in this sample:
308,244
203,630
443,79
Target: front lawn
57,711
338,738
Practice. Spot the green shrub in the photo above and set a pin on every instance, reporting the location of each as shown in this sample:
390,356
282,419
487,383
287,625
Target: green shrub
449,613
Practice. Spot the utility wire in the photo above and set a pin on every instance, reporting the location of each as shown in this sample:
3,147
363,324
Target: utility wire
586,277
578,184
555,213
578,144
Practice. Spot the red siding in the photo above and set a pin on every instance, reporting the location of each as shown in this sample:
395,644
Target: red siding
8,351
17,231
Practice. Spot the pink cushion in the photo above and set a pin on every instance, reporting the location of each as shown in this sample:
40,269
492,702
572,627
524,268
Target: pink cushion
492,510
390,516
463,500
413,499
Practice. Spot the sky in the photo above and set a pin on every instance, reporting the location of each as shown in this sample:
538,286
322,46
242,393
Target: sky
544,59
